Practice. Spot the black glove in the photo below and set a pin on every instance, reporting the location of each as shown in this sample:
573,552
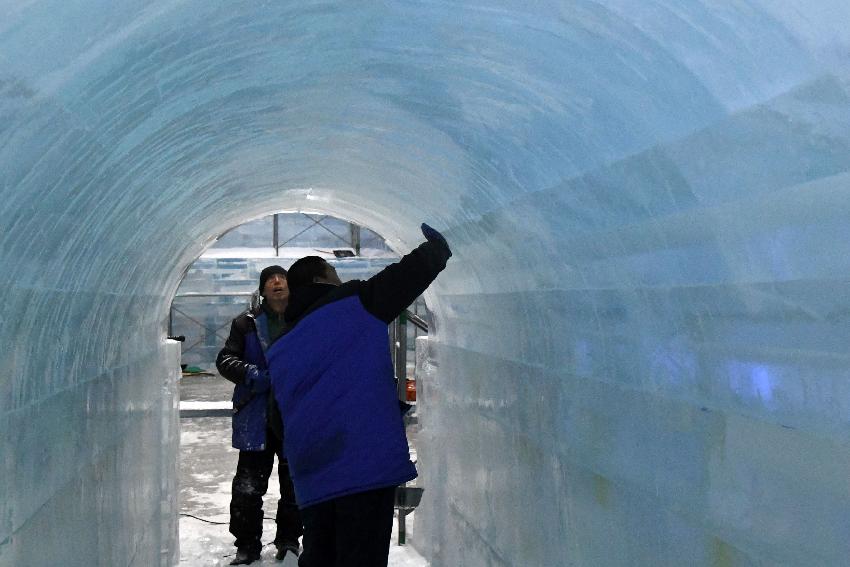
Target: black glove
433,236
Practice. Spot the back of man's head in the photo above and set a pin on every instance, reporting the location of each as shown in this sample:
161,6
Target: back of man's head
303,271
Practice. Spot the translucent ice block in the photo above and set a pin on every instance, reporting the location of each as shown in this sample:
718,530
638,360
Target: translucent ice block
638,353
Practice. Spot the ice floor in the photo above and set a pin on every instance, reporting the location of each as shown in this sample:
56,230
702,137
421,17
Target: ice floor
207,463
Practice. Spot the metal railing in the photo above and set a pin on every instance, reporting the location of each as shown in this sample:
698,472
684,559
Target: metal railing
214,330
418,321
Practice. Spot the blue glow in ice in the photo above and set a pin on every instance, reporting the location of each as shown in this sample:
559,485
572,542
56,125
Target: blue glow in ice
640,355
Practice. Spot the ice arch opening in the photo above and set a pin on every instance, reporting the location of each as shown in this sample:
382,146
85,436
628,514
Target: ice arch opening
647,204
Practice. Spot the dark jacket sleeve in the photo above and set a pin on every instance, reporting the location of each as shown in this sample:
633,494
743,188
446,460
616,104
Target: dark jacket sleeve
389,292
230,360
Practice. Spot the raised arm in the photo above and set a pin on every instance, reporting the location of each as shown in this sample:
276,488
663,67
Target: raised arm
389,292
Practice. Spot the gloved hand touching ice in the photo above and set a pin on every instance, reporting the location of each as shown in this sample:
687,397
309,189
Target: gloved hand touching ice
432,235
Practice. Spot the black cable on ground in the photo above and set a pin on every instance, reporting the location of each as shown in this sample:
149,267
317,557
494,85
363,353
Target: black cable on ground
203,520
216,523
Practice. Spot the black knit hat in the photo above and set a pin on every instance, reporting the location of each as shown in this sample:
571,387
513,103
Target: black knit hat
269,272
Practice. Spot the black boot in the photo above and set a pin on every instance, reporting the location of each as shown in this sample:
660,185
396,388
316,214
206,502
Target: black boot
282,548
245,556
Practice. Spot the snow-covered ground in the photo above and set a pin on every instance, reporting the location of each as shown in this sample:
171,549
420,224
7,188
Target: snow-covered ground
207,464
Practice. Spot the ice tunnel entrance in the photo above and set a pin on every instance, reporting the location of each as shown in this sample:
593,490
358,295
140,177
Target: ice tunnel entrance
223,280
218,286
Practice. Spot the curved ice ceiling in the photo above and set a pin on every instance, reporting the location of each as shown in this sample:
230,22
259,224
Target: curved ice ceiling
641,338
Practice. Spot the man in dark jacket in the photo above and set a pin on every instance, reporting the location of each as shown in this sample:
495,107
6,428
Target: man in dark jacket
256,424
333,382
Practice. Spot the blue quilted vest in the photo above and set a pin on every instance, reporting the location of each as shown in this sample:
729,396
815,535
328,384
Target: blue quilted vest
332,378
249,417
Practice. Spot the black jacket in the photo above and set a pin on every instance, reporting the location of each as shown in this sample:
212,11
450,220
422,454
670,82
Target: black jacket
385,295
231,361
252,413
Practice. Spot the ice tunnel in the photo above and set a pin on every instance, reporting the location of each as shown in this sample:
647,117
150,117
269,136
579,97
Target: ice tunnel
641,341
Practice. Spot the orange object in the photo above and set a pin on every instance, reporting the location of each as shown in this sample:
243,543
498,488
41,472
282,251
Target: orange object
411,390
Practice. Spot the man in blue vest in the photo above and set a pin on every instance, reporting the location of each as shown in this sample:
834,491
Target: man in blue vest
257,431
334,384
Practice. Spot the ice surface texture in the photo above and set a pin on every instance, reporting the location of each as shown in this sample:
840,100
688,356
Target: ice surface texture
640,347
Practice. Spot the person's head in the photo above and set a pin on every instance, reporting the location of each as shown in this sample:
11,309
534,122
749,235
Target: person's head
312,269
273,284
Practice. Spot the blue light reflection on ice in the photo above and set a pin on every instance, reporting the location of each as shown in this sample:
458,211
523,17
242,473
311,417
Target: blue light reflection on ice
752,381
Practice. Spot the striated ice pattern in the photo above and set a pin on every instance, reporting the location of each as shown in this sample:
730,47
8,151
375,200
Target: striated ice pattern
639,354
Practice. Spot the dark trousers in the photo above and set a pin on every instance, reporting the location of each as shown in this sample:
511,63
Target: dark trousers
349,531
249,486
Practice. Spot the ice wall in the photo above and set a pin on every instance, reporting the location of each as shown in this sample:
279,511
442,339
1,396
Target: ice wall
639,355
